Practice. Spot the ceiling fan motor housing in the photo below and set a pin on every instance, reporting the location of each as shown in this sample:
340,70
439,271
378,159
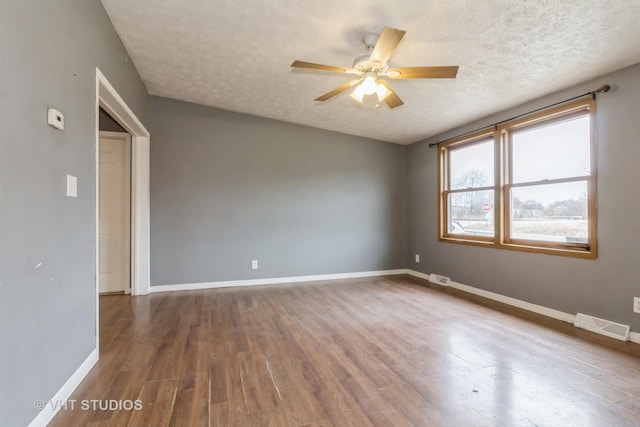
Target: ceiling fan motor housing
361,61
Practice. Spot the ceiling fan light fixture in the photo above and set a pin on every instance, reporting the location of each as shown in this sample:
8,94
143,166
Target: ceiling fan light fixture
369,85
382,92
358,93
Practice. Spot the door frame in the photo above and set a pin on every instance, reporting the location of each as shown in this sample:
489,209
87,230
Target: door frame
127,138
108,98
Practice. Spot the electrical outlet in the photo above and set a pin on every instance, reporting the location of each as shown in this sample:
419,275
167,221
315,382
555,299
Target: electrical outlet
636,304
254,264
417,258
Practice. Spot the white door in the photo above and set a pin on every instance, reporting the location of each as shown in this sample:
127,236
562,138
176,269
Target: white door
115,212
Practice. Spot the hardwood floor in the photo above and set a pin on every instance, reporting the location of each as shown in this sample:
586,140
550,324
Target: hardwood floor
387,351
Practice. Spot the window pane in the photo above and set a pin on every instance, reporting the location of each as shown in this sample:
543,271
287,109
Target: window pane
471,213
472,166
559,150
553,213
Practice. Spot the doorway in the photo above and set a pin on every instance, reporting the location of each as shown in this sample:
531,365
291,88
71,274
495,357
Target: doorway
108,99
114,217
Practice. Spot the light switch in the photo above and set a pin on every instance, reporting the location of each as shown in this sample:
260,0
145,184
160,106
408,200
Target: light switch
72,186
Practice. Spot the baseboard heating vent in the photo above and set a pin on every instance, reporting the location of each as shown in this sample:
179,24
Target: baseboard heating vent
601,326
439,280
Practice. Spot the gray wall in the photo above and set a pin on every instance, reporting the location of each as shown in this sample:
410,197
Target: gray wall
227,188
603,287
48,54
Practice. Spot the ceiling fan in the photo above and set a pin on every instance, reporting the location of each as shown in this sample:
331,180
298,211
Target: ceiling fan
371,69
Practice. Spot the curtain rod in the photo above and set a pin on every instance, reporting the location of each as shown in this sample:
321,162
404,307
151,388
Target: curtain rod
601,89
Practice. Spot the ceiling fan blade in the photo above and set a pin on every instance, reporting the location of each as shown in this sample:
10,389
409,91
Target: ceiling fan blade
423,72
312,66
338,90
387,43
392,100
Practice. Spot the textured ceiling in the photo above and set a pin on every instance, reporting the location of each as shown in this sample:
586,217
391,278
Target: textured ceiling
235,55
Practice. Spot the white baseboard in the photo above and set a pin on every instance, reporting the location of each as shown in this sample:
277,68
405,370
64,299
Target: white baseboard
545,311
273,281
419,274
52,406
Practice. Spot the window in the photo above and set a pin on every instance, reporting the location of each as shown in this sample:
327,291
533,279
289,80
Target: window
527,184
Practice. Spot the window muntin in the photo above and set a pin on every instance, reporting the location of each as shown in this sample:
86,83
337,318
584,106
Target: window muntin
543,198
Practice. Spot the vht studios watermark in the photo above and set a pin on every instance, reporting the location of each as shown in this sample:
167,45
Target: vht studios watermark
90,405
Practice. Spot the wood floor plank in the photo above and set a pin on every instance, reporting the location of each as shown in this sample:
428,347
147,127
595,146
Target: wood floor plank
157,399
385,351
